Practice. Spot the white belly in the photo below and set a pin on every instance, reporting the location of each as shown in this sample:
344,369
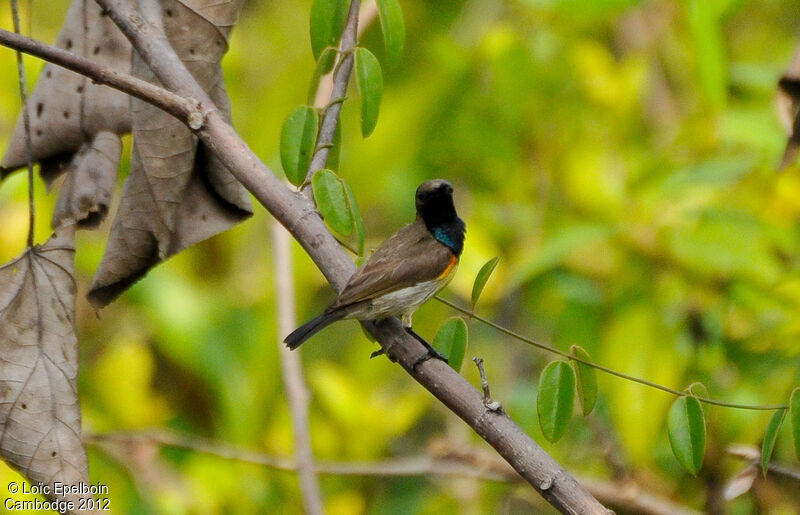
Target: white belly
399,303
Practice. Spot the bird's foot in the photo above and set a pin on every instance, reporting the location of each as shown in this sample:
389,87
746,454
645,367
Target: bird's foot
430,351
429,354
377,353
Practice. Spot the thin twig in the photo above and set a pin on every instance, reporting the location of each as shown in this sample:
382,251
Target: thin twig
602,368
442,462
341,78
26,122
296,390
487,398
368,14
753,455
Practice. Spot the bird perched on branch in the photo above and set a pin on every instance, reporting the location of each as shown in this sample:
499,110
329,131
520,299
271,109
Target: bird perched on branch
407,269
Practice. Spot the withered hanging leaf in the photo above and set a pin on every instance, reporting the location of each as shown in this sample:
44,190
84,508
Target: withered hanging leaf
86,193
177,193
40,419
741,483
788,105
66,109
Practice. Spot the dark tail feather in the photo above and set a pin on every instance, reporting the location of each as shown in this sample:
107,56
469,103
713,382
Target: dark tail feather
307,330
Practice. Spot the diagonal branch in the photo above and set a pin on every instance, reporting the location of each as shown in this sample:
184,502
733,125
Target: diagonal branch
299,216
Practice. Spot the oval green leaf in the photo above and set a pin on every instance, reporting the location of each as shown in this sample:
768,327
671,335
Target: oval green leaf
298,136
370,83
324,65
451,341
327,22
331,197
393,28
770,436
586,380
794,417
686,426
483,276
358,222
555,399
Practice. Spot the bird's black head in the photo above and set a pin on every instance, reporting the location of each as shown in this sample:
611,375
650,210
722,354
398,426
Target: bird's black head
435,207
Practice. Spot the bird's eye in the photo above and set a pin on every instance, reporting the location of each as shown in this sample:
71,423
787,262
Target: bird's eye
419,196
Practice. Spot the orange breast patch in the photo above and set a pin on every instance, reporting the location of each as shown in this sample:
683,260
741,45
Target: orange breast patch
449,268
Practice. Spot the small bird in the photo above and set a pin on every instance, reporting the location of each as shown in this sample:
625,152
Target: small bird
407,269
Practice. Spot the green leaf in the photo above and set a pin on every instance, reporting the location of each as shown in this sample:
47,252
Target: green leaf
393,28
794,417
324,65
587,380
331,197
687,432
358,222
709,48
336,150
298,136
451,341
771,434
327,22
483,276
370,83
555,399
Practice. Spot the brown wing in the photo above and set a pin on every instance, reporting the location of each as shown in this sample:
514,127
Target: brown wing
409,256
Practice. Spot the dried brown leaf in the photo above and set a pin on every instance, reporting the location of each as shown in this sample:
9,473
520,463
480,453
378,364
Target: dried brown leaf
742,482
177,193
66,109
40,419
86,193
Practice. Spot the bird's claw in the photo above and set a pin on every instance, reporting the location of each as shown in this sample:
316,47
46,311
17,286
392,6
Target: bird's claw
430,353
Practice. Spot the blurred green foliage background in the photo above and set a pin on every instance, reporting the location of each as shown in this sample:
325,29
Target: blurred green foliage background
619,156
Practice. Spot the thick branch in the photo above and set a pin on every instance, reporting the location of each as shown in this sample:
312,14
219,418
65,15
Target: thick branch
299,216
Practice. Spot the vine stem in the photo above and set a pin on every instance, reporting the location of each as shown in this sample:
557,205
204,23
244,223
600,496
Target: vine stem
603,368
26,122
341,78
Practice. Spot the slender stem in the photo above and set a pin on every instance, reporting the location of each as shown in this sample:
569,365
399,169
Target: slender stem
602,368
26,122
753,455
341,79
440,461
296,390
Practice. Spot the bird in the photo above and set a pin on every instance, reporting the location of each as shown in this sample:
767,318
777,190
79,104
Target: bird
409,268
